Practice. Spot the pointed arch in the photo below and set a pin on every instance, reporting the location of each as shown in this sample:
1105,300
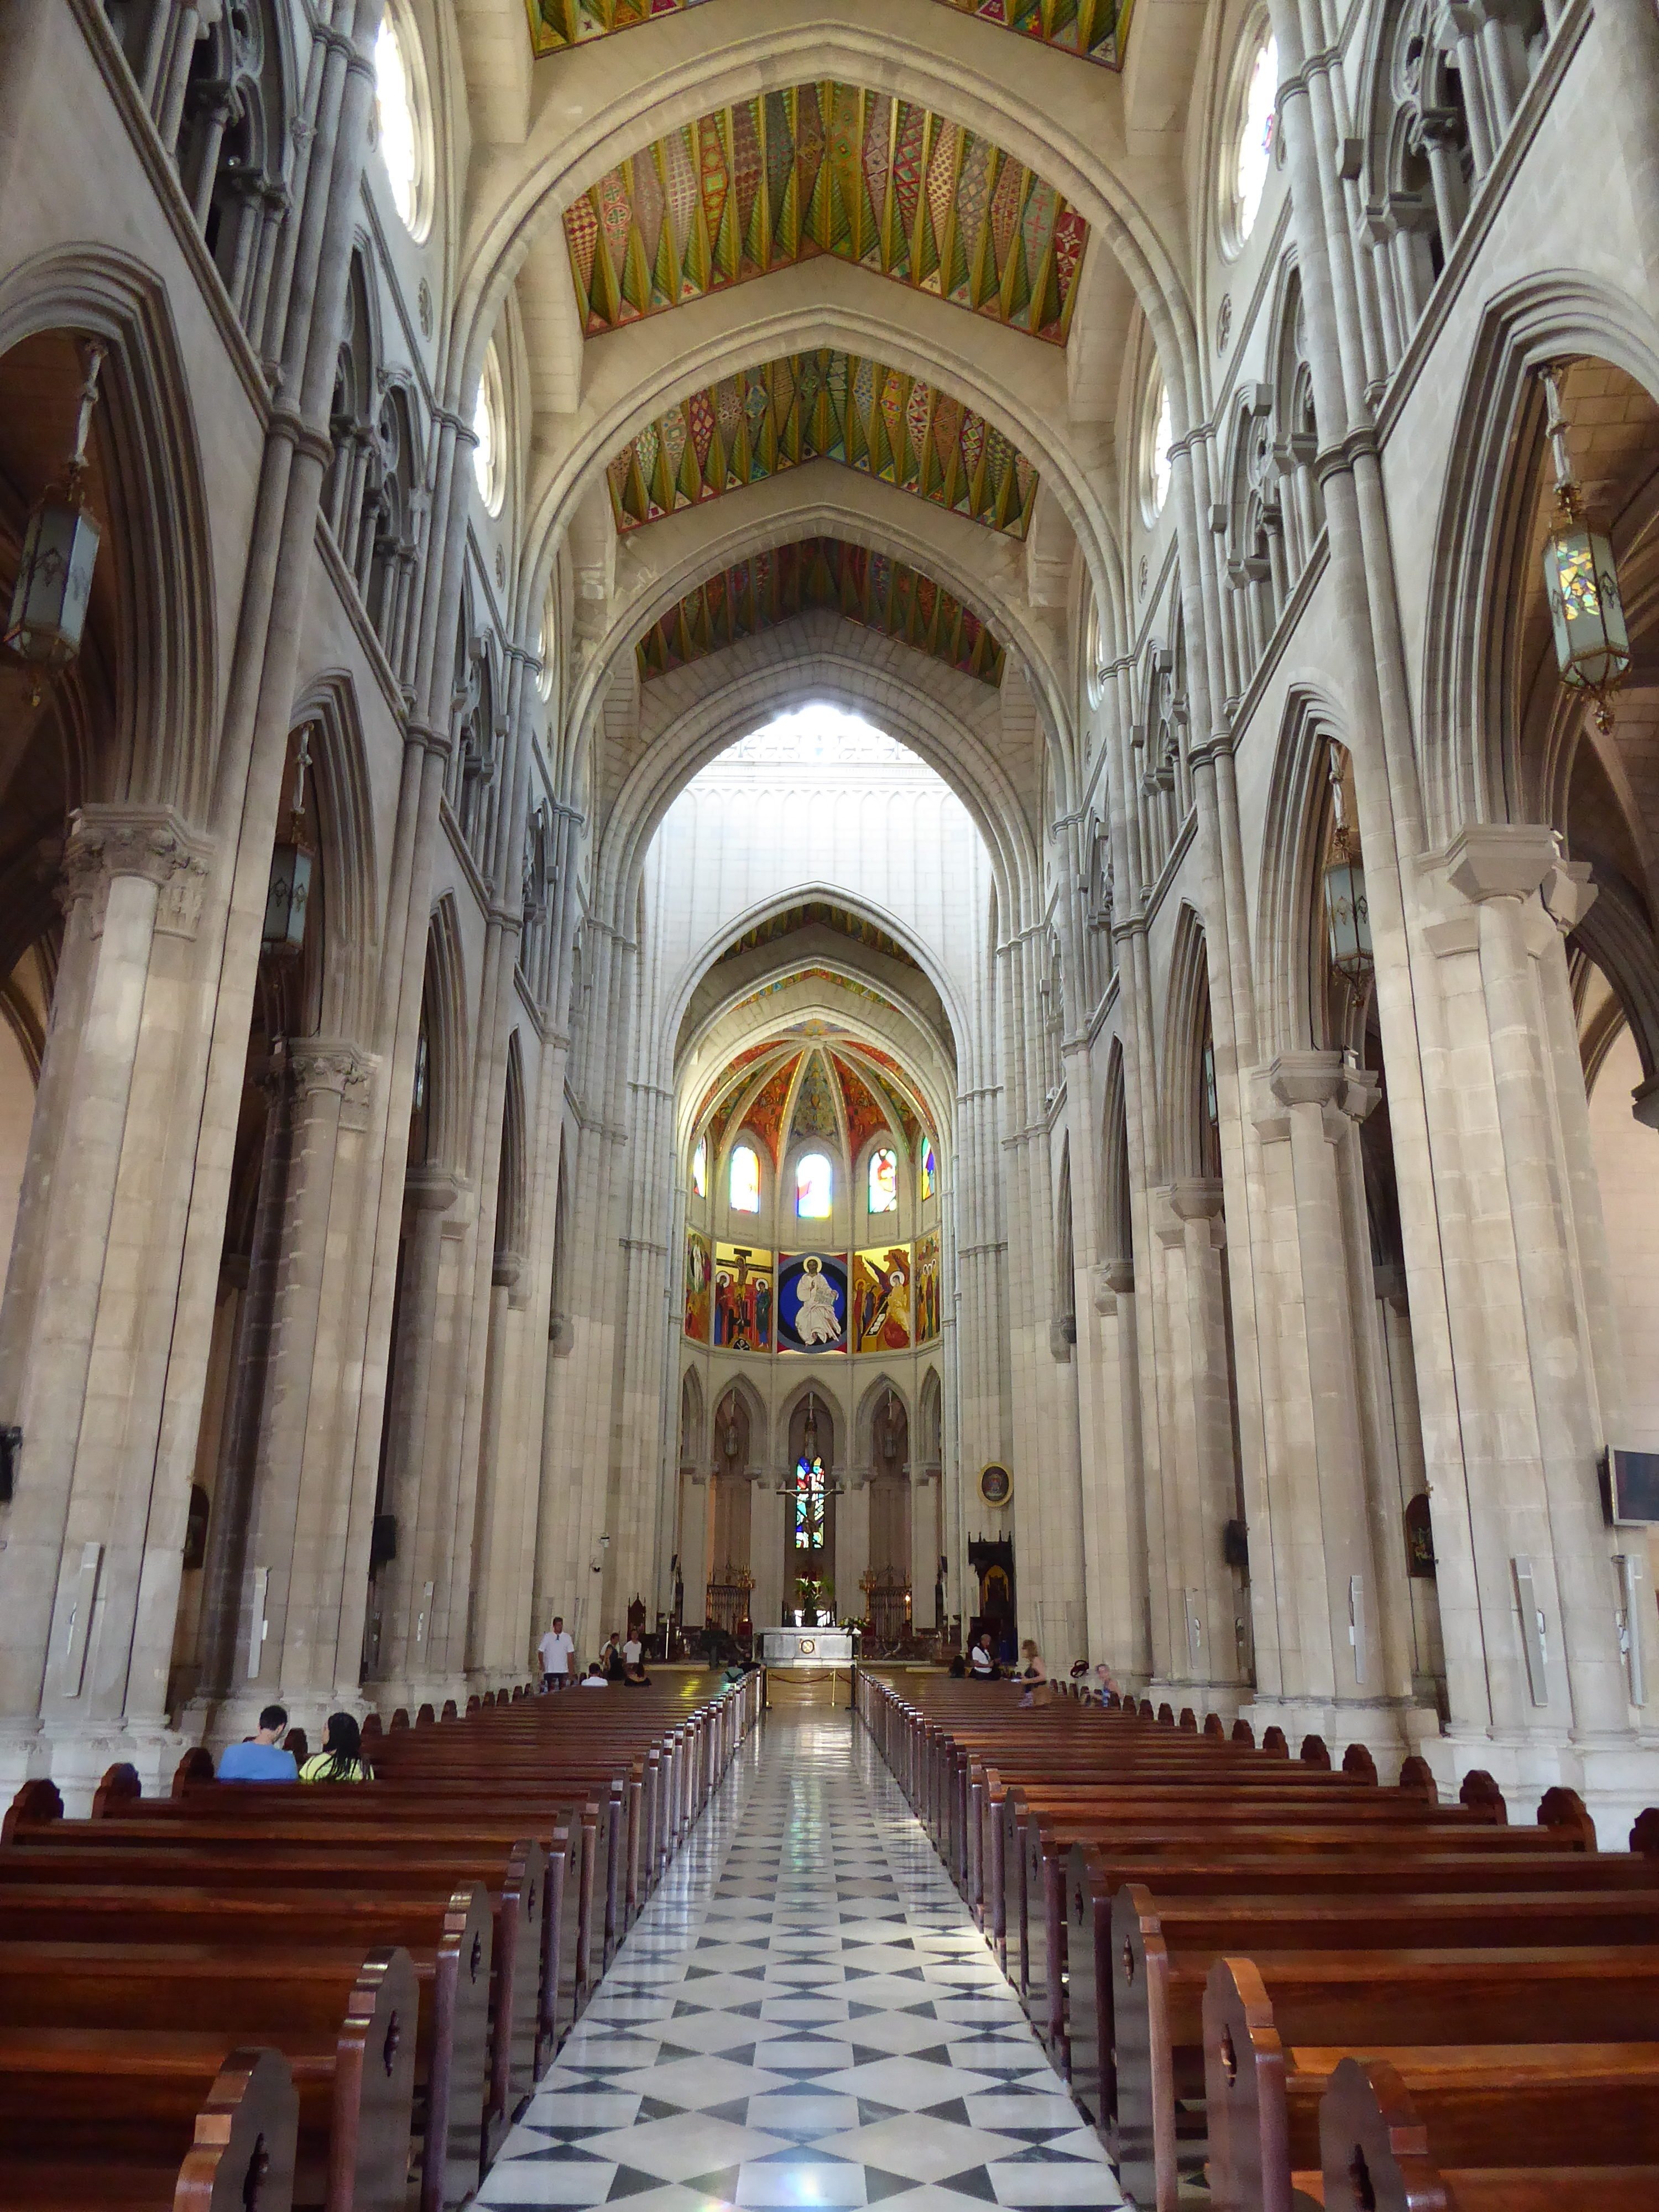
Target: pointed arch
445,1012
1187,1126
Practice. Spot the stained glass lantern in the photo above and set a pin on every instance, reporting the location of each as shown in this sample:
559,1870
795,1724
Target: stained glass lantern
1587,609
49,602
60,551
1347,917
1592,643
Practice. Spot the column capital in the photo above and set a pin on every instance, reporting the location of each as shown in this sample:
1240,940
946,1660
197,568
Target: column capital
327,1064
1197,1198
1326,1079
152,842
431,1190
1501,860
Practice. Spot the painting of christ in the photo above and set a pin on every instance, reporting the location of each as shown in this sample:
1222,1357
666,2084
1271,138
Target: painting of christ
812,1301
743,1299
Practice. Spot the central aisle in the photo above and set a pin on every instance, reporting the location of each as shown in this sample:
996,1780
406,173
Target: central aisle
804,2015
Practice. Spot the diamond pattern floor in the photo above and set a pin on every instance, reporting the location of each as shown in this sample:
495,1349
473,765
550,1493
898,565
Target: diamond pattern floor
804,2016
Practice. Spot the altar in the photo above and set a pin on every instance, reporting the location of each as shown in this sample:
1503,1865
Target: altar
807,1647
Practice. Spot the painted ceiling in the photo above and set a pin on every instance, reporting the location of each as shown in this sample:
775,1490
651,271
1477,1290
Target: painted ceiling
870,588
854,984
1092,28
826,168
789,919
794,1090
824,405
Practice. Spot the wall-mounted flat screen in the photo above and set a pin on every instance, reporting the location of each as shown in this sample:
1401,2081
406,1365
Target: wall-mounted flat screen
1630,1486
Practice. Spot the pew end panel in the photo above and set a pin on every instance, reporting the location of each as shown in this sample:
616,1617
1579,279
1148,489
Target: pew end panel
1374,2149
1144,2130
242,2158
1244,2095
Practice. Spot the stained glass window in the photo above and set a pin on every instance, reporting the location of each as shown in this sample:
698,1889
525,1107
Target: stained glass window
814,1186
809,1504
1255,137
488,457
883,1181
929,1169
700,1169
745,1180
1158,456
400,142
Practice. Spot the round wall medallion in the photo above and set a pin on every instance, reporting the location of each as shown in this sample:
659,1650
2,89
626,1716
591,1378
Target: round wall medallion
996,1484
1223,323
807,1647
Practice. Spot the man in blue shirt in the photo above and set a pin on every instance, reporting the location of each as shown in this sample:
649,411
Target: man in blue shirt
262,1758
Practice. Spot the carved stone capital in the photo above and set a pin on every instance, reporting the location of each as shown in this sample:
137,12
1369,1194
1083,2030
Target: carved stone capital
1306,1079
151,841
1568,893
430,1190
507,1269
326,1064
1501,860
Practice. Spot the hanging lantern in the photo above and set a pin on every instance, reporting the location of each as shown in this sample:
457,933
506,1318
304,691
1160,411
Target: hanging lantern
1587,613
1347,917
60,549
289,889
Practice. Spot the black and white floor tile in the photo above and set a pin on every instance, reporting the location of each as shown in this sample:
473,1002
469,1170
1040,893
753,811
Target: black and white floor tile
804,2018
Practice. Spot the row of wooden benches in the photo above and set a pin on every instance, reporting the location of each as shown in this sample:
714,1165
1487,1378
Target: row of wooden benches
244,1997
1289,1980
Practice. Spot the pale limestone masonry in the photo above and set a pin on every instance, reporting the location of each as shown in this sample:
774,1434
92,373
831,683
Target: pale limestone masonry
343,1324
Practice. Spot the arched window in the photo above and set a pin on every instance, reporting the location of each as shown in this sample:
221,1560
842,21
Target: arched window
745,1180
700,1169
809,1504
929,1169
399,99
815,1185
489,454
1156,434
1253,139
884,1180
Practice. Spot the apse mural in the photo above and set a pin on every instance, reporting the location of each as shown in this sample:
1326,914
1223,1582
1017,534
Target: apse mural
927,1288
826,406
871,589
697,1279
743,1299
865,1117
826,168
765,1115
881,1299
812,1301
1091,29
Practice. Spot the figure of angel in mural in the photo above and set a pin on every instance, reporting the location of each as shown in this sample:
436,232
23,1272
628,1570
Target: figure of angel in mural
816,1305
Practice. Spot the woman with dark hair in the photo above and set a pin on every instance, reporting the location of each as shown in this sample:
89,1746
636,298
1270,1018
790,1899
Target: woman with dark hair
340,1758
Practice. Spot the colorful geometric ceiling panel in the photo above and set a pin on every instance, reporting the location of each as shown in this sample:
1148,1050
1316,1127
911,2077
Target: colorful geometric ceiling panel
871,588
1093,29
826,168
830,406
789,919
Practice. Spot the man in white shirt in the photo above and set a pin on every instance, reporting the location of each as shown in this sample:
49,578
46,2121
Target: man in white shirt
594,1678
632,1652
983,1666
557,1650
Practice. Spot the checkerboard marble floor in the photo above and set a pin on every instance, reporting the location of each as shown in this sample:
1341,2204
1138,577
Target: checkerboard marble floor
804,2016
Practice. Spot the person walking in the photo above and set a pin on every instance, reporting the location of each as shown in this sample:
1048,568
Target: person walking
557,1650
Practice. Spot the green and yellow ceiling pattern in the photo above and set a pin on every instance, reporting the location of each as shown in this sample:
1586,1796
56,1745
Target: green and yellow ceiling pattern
830,406
826,168
869,588
1092,28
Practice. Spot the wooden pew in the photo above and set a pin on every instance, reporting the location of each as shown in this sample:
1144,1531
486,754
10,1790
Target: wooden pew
448,1941
1379,2152
122,2124
347,2031
1533,2049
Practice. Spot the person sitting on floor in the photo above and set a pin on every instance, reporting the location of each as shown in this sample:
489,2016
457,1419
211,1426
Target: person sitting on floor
594,1678
261,1758
340,1758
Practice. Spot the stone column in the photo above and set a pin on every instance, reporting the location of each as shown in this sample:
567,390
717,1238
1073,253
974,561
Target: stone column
70,1569
766,1534
1203,1613
697,1497
1499,869
924,1545
852,1546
